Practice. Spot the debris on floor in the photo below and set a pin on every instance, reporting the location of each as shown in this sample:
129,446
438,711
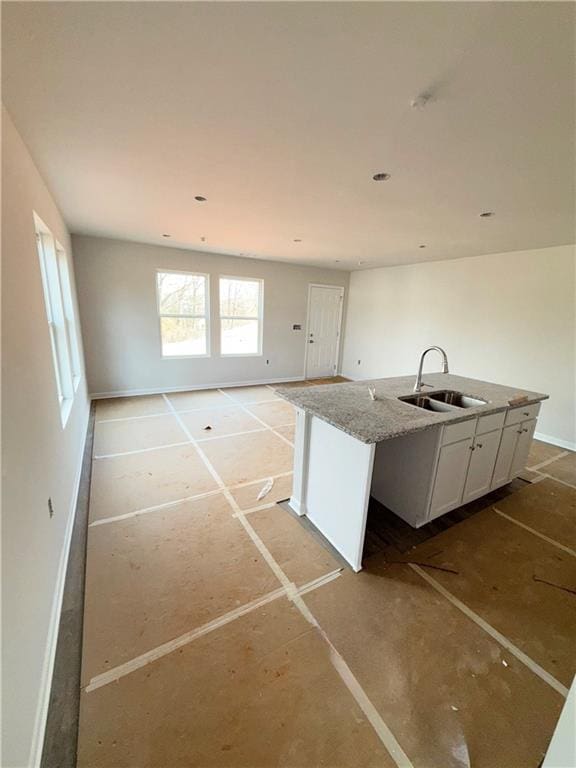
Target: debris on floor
266,488
422,564
571,590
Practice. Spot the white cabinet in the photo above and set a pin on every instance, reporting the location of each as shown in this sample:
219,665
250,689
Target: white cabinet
484,451
513,452
424,475
450,477
505,455
525,435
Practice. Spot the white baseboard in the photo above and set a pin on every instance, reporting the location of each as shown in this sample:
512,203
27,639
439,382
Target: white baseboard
54,626
190,387
568,446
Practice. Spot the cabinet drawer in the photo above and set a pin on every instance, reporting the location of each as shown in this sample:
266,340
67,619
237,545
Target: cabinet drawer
460,431
522,413
490,422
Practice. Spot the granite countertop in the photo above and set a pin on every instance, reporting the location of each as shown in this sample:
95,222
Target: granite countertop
349,407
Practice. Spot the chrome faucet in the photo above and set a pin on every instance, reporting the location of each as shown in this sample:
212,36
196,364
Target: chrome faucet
418,386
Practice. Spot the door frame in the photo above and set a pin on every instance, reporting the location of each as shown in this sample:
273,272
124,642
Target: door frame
342,290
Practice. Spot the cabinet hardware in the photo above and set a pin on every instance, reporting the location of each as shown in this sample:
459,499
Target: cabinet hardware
524,430
471,448
479,445
526,413
519,431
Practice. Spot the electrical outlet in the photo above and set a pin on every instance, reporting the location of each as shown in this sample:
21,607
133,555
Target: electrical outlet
50,508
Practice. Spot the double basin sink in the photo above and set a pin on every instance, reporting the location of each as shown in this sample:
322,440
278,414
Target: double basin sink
444,401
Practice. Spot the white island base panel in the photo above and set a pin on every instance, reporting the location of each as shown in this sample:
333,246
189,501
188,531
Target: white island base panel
332,480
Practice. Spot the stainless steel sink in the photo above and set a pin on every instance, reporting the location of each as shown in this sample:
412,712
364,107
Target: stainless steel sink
442,402
424,401
458,399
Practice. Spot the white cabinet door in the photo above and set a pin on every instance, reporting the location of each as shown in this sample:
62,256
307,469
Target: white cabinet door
505,457
522,447
450,477
481,467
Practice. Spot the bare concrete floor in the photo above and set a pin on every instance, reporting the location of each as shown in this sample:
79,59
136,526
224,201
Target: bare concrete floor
219,632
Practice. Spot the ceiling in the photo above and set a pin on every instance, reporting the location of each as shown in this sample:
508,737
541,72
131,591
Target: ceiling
281,113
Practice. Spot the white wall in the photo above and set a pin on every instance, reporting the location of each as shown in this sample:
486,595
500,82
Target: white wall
506,317
117,295
40,459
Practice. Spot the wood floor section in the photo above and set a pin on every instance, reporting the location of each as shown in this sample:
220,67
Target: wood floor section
219,632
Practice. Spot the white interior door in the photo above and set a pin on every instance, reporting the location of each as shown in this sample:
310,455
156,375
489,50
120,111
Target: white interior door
324,318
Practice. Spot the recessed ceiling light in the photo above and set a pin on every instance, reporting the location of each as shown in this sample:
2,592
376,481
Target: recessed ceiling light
486,214
200,199
381,176
166,235
297,240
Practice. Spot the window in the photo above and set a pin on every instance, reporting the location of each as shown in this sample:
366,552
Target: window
60,315
183,310
240,316
69,318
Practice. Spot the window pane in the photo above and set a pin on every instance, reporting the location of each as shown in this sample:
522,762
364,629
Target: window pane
56,319
183,336
239,298
239,337
69,315
181,294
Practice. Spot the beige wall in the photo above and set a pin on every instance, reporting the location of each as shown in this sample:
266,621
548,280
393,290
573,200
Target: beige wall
40,459
117,296
507,318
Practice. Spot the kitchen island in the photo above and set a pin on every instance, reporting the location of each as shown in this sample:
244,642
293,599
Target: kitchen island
419,454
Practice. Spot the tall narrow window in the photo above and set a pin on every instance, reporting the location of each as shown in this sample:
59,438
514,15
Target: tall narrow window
60,315
69,317
240,316
183,310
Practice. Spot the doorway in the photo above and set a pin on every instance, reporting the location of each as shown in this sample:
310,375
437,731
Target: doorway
325,304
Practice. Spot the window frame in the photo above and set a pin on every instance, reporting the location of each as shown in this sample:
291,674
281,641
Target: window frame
259,318
205,316
60,316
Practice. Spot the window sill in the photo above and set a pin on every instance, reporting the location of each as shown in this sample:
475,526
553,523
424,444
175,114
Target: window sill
184,357
65,410
242,354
